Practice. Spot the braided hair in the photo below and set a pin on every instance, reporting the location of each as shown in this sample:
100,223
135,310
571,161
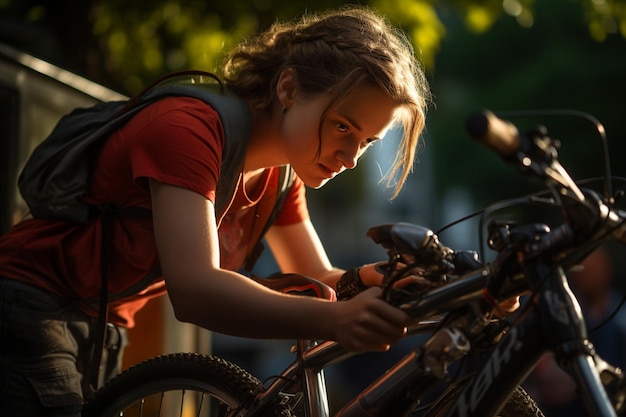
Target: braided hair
331,53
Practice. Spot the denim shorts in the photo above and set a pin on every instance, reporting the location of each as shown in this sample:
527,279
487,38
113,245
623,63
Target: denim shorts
46,346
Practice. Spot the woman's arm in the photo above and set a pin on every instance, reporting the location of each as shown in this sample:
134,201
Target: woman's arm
227,302
297,248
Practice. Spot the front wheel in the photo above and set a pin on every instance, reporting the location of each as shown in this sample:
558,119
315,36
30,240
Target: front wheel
180,384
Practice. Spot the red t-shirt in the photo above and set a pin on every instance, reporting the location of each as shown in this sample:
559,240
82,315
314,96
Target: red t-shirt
177,141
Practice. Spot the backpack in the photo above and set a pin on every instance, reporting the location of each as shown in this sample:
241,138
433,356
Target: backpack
56,176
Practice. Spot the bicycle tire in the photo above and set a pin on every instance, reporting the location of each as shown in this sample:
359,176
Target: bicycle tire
179,384
519,404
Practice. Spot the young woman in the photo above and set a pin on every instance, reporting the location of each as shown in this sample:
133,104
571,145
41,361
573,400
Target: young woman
320,91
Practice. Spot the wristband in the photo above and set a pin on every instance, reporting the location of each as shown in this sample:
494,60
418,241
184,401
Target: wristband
350,284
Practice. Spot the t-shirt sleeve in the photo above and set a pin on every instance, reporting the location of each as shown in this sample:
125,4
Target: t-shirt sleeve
294,209
178,141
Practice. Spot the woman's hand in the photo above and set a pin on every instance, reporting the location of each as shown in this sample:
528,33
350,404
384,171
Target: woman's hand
367,323
372,278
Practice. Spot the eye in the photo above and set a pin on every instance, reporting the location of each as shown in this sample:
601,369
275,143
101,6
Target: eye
341,127
369,141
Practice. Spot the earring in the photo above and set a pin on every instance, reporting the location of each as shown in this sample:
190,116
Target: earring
283,110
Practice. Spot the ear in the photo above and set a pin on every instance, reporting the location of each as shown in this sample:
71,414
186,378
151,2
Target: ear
286,88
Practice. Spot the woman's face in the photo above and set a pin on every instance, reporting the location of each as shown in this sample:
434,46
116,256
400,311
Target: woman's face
347,130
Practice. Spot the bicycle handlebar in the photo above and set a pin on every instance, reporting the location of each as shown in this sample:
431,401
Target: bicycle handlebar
499,135
589,218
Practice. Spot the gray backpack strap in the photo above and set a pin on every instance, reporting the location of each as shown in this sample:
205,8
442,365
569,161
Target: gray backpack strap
235,117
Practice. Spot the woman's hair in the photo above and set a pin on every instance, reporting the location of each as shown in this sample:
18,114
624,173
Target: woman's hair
332,53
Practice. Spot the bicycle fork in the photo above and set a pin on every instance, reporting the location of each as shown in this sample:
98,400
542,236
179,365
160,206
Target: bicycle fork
561,317
555,324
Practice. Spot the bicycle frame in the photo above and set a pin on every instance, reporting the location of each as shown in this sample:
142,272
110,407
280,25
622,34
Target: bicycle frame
308,369
553,324
313,358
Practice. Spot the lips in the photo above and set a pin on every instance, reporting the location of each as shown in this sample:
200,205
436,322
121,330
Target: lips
327,172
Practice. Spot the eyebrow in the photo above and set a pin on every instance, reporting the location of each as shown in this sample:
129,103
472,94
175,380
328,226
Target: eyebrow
352,122
357,127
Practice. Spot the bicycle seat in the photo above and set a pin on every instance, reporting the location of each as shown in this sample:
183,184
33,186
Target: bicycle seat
298,284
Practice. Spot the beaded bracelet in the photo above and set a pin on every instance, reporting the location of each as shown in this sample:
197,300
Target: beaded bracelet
350,284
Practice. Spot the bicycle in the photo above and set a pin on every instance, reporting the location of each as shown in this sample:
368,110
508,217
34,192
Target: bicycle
455,306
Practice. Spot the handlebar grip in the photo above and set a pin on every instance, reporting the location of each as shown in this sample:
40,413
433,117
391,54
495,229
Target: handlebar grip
499,135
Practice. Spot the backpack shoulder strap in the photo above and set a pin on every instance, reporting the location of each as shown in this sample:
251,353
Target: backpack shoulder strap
236,121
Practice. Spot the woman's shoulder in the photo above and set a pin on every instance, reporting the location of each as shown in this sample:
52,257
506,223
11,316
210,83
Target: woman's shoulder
185,118
180,107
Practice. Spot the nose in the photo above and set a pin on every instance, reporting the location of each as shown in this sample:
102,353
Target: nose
349,156
349,163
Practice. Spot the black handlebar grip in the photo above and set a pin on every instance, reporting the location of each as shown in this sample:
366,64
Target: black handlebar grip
499,135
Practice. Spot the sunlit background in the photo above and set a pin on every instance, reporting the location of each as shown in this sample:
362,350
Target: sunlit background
505,55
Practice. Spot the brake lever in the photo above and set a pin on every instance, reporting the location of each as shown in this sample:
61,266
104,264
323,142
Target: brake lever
462,263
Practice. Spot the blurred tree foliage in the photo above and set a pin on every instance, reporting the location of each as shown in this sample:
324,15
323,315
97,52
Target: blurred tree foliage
501,54
563,62
127,44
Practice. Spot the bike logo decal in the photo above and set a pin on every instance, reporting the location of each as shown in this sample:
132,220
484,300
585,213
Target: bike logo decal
478,386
